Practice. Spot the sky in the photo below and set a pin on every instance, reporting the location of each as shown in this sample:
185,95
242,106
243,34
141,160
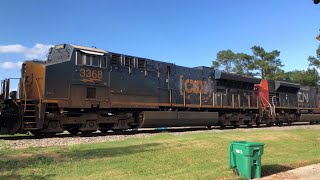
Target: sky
185,32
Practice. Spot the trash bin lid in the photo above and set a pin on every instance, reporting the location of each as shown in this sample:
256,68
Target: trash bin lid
247,143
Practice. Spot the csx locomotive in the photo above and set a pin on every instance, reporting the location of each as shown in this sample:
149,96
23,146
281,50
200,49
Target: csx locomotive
82,89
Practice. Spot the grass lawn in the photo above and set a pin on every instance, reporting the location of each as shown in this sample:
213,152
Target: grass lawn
162,156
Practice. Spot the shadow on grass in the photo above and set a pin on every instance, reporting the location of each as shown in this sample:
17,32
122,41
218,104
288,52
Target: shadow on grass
12,167
110,152
33,176
268,170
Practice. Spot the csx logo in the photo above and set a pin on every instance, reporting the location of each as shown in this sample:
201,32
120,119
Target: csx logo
194,86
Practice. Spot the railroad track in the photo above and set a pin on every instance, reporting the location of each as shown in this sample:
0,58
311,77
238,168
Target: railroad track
143,131
18,142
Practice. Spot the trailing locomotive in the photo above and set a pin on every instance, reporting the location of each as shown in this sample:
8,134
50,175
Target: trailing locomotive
82,89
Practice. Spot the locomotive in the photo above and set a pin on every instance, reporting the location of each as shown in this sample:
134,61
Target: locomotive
84,89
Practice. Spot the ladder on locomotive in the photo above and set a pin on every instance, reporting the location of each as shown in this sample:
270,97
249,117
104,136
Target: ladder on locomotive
29,108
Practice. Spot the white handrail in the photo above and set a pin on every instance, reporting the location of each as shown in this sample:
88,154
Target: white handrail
266,100
272,107
273,104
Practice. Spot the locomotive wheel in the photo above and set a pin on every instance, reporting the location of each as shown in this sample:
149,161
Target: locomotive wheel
258,124
86,133
104,131
37,133
209,127
73,131
249,125
269,124
117,131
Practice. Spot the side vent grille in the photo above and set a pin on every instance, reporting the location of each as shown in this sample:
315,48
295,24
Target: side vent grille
91,93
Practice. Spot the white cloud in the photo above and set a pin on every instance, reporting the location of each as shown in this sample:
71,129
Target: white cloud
10,65
15,48
38,51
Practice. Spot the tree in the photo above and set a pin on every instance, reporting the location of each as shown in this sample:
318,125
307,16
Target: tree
279,74
267,64
239,63
310,77
244,64
225,59
315,61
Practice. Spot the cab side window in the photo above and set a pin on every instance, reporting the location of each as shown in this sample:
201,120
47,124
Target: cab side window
103,62
94,61
84,59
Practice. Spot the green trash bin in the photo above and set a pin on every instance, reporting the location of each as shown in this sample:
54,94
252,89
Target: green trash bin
245,158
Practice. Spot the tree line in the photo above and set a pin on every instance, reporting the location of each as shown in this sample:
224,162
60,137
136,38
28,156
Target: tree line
267,65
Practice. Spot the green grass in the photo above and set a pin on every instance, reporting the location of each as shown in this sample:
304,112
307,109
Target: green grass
162,156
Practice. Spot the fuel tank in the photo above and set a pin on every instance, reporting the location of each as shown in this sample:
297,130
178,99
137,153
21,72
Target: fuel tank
309,118
154,119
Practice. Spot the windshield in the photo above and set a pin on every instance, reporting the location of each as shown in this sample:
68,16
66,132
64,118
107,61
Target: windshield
58,55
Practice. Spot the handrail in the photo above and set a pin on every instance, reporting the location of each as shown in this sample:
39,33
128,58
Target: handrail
266,100
273,104
271,107
38,88
25,94
273,97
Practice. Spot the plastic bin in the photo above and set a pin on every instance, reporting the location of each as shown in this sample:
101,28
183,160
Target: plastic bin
245,158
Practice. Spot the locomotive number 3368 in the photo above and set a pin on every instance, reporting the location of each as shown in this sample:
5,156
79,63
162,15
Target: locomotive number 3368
93,75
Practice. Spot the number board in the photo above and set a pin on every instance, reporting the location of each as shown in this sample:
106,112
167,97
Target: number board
88,75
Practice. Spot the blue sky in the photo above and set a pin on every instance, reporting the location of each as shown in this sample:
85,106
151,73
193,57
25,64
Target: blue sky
188,33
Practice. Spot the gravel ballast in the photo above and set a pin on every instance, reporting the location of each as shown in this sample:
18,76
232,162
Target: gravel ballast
62,140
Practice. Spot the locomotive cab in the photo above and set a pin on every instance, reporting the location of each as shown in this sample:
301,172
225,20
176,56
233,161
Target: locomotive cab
76,75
